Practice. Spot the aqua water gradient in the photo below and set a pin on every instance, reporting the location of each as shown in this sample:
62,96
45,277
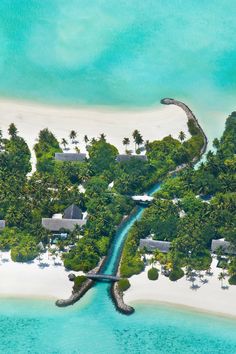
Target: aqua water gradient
124,53
121,53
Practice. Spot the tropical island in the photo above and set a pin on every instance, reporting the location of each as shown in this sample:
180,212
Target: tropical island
74,204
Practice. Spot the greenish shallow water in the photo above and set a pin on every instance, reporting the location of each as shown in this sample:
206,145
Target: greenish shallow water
121,53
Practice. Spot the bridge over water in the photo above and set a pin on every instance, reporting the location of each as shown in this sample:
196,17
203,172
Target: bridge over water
94,276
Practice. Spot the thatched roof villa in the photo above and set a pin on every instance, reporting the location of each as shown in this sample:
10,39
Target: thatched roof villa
72,216
151,245
222,244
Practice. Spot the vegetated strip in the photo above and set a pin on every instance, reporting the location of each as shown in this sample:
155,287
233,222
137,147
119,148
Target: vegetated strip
191,117
116,293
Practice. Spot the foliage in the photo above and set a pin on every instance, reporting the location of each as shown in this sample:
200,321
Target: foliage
55,185
232,280
45,150
123,284
78,282
153,273
102,157
23,246
130,260
176,274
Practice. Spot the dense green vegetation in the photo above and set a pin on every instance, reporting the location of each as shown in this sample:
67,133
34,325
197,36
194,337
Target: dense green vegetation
123,284
25,200
190,210
153,273
176,274
78,282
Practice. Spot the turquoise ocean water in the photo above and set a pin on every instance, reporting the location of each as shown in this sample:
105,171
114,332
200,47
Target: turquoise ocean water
121,53
127,54
93,326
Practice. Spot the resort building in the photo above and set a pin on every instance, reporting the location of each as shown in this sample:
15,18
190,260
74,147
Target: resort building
151,245
124,157
142,199
70,156
2,224
225,246
72,216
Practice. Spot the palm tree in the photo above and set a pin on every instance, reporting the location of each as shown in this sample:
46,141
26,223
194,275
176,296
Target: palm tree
73,135
12,130
86,139
103,137
126,142
182,136
139,140
64,143
221,277
147,142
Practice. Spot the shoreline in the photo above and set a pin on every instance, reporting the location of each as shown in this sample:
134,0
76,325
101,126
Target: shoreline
116,123
208,297
183,308
45,279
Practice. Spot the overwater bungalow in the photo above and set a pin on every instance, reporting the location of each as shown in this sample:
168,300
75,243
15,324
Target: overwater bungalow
151,245
71,217
70,156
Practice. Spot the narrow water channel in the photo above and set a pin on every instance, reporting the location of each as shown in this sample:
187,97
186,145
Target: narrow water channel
115,252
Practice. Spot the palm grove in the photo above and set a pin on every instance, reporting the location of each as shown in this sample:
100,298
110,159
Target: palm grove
25,199
189,211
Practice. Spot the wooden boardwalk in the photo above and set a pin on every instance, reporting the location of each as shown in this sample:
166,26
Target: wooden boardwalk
94,276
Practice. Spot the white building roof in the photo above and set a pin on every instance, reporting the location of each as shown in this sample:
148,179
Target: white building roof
142,198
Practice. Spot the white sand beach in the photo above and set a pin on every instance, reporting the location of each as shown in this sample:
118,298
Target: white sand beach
45,279
209,297
153,124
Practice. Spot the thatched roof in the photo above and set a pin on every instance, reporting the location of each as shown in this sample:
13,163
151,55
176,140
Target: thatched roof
2,224
124,158
70,156
224,245
58,224
150,245
73,212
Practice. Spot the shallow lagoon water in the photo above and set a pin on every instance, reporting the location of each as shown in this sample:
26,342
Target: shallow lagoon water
93,326
121,53
126,54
